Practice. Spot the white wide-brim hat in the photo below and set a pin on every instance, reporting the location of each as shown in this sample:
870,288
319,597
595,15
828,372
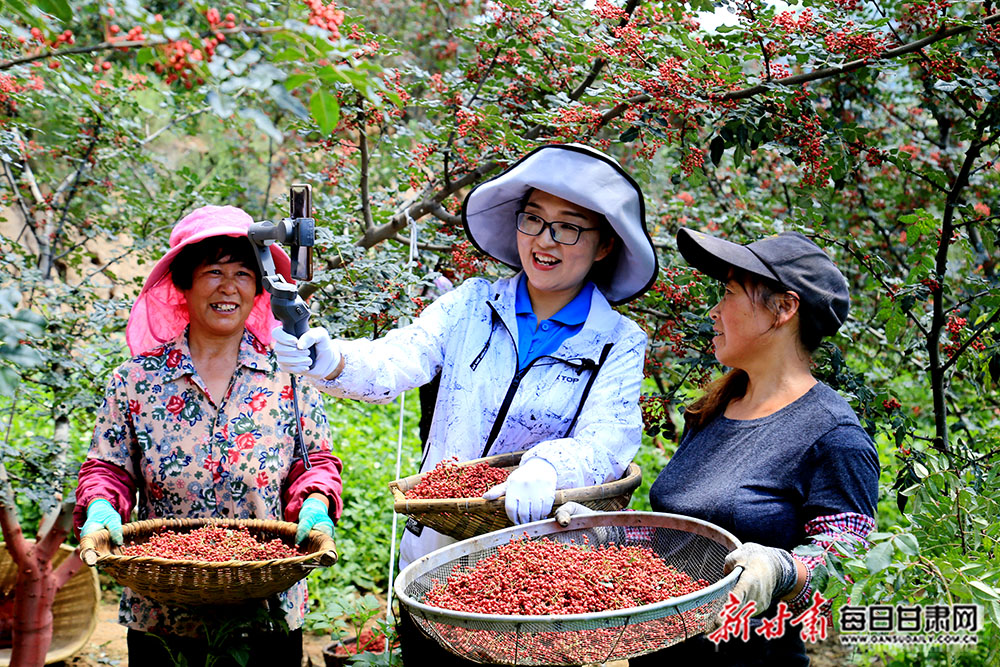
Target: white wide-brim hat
583,176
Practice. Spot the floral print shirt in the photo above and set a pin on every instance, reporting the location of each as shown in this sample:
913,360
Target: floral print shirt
189,454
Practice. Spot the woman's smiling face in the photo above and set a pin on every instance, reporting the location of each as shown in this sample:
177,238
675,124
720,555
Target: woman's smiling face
739,323
221,297
554,269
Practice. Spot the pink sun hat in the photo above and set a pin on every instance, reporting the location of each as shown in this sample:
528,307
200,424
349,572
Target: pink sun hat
160,312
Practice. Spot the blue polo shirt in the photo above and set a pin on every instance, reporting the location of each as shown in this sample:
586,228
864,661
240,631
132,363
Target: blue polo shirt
535,338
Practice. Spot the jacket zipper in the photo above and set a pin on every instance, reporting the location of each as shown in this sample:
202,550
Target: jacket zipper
508,398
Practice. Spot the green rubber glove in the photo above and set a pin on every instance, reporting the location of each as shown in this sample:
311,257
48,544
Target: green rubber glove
314,515
102,515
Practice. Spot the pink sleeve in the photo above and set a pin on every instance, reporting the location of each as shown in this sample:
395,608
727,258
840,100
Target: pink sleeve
849,528
323,477
100,479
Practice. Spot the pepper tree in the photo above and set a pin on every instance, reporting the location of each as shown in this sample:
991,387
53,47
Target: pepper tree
871,126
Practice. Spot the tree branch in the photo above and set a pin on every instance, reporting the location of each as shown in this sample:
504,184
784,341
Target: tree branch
9,525
155,40
270,177
72,191
601,62
366,203
937,370
66,570
815,75
28,221
56,527
416,211
442,214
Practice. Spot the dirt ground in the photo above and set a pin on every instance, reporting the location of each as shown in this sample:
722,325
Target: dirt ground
107,645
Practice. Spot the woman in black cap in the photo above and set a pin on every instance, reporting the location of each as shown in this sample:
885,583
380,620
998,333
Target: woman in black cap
539,361
769,453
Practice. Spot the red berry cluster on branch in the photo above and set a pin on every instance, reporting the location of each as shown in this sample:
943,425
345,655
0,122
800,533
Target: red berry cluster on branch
856,45
466,259
214,544
956,326
536,577
450,480
326,16
891,404
655,410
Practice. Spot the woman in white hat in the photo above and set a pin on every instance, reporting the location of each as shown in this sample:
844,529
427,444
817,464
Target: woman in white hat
199,423
538,361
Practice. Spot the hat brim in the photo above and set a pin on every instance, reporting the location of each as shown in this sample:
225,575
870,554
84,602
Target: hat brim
715,257
580,175
159,313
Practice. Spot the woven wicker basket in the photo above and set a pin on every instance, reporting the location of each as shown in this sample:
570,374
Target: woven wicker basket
462,518
74,609
185,582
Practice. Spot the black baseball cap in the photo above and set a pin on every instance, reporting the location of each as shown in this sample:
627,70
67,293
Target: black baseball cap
788,258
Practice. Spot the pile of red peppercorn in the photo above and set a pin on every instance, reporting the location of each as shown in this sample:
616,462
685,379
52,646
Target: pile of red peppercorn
535,577
214,544
450,480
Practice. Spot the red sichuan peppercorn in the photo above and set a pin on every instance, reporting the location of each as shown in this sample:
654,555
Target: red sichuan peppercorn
213,544
536,577
450,480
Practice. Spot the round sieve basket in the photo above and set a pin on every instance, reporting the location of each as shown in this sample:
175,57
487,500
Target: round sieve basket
695,547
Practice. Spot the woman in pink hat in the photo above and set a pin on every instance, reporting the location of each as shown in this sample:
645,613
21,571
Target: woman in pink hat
199,423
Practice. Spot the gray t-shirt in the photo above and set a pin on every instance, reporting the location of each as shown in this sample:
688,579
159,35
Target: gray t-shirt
763,479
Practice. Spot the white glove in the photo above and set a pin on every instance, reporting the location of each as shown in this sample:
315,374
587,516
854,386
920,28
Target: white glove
530,491
293,353
768,574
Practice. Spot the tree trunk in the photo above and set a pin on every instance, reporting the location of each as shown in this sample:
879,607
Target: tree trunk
33,597
37,583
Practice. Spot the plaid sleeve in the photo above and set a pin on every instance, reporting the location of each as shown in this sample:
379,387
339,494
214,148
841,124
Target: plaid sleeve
848,528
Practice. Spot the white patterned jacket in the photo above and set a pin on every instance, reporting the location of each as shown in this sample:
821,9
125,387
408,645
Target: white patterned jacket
485,406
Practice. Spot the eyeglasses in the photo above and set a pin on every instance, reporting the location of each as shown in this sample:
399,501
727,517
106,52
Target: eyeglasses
565,233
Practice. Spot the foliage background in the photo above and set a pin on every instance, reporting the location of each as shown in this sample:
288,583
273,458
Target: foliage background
871,126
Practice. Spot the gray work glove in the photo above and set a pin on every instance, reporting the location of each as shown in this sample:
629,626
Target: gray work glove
567,511
768,574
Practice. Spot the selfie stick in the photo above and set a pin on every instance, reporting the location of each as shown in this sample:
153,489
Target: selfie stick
298,231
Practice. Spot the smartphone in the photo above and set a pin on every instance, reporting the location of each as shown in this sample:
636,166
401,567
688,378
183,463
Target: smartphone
300,204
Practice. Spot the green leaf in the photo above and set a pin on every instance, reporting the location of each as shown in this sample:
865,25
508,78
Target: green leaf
907,543
145,55
26,14
20,355
879,557
287,101
717,147
629,135
290,54
58,8
920,469
985,588
832,567
263,123
296,80
325,111
222,105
